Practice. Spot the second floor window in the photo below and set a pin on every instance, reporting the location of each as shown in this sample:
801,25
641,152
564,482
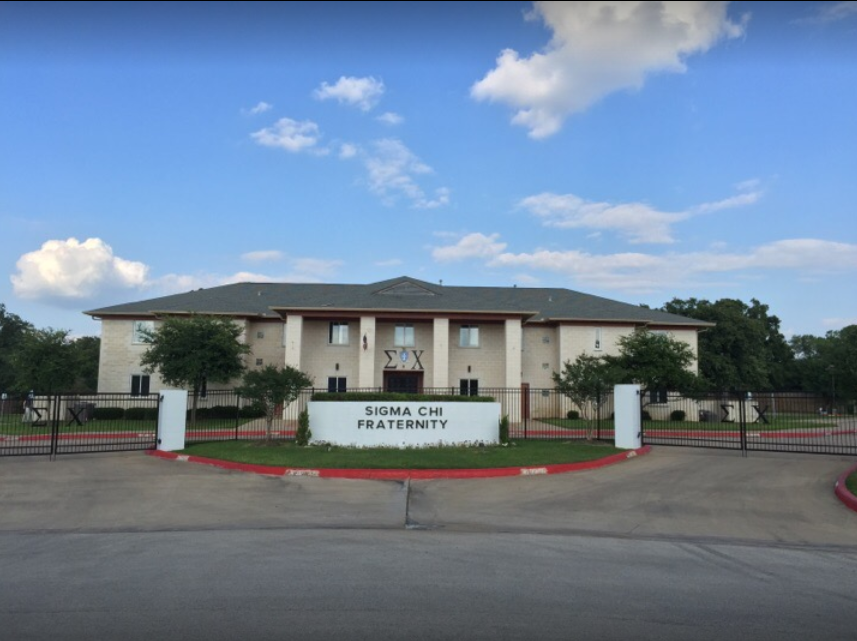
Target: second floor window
141,330
338,334
404,336
469,336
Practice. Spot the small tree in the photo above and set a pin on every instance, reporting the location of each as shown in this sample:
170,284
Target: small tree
653,361
271,386
43,360
189,352
583,382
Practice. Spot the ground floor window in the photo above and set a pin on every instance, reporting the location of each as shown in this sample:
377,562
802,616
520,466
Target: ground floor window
336,384
658,396
469,387
139,385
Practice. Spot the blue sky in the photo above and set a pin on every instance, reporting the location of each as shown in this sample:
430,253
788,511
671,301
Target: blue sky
628,150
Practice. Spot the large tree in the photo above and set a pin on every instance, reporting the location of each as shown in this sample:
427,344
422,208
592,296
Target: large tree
745,350
583,382
12,331
190,351
827,364
86,350
43,361
272,386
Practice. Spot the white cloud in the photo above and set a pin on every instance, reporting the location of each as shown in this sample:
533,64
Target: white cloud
347,150
752,184
71,270
392,170
643,273
470,246
262,256
390,118
830,12
291,135
316,267
363,93
638,222
598,48
260,108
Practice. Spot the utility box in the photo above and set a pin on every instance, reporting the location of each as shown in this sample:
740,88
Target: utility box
628,417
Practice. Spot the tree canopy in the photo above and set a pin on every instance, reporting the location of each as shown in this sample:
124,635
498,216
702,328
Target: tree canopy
12,330
745,350
191,351
272,386
583,381
654,361
44,361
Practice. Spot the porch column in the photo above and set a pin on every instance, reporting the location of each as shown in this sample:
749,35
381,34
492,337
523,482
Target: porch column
513,353
294,339
440,353
366,371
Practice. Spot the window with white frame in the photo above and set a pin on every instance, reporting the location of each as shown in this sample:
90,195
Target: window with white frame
469,336
141,331
338,334
599,341
140,385
404,335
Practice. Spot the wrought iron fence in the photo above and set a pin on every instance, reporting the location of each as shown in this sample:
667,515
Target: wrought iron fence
67,423
772,421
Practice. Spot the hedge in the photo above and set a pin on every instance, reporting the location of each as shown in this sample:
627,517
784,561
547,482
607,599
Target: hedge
108,413
374,397
141,414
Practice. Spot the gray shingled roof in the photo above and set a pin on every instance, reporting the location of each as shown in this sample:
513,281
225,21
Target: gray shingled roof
262,300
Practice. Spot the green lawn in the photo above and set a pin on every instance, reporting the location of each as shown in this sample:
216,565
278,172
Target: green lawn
851,483
519,454
781,422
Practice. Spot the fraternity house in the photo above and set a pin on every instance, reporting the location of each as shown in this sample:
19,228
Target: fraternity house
399,335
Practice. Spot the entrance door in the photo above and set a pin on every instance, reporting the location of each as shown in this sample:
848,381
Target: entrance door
403,382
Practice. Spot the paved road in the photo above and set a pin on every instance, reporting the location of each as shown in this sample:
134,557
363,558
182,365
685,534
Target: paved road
678,544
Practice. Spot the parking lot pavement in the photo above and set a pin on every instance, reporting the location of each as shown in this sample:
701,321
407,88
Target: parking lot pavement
769,498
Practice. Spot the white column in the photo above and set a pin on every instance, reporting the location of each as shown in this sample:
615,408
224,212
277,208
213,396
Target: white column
440,353
626,402
366,371
172,418
513,353
294,338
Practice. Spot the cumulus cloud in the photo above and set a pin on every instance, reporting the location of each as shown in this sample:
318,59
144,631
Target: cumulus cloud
638,222
470,246
363,93
392,171
598,48
262,256
260,108
74,270
291,135
641,272
390,118
347,150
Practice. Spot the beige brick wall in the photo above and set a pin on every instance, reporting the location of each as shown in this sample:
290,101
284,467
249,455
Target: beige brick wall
120,358
423,342
541,348
319,357
487,362
265,339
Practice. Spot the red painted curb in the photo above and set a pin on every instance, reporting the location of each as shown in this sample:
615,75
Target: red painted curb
402,475
843,493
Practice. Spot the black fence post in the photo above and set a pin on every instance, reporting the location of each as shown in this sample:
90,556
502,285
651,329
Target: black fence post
237,413
742,421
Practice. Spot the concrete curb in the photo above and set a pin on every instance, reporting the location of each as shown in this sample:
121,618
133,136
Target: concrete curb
403,475
842,491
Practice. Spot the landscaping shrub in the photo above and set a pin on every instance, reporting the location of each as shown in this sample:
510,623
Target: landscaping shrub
303,433
678,415
223,411
572,415
108,413
504,429
141,414
392,396
251,411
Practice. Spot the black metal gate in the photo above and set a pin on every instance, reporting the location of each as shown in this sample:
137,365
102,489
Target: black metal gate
74,423
749,421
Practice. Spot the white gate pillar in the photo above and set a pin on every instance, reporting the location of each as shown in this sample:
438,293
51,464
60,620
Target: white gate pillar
172,420
628,417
